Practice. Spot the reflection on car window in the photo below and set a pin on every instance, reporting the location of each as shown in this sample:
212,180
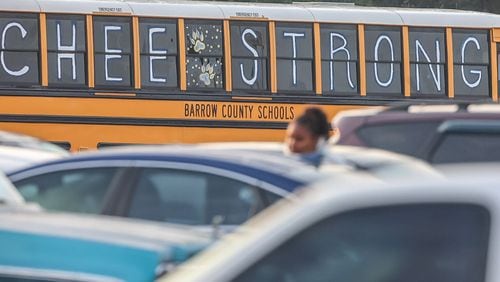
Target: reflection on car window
404,138
79,190
466,147
192,197
413,243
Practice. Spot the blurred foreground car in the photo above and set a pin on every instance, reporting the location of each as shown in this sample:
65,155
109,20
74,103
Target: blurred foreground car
40,246
25,141
191,184
380,163
13,158
435,133
412,231
8,193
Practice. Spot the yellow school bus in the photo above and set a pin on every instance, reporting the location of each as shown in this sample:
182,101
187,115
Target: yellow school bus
93,73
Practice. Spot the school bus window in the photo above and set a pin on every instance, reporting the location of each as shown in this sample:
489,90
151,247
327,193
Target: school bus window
294,56
428,61
339,59
471,59
66,44
19,49
204,54
383,60
113,52
250,55
159,56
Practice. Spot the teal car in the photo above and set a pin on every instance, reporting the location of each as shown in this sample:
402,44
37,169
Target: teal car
40,246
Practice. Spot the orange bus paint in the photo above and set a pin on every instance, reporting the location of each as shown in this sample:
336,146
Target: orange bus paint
449,62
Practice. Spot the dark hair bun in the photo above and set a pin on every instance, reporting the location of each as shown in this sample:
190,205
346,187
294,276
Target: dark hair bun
316,121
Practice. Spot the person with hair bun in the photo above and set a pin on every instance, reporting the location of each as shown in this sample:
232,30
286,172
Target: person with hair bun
308,134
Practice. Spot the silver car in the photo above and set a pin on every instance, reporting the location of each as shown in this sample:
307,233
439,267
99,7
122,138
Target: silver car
365,230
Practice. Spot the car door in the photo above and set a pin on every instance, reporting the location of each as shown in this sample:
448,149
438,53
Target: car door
194,194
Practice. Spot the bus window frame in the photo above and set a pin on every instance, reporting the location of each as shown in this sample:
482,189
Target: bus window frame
130,54
196,21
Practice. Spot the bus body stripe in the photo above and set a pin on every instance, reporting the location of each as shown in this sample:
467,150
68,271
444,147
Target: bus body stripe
495,35
90,52
406,62
494,70
43,50
182,55
137,53
362,60
141,121
227,54
449,62
272,57
317,59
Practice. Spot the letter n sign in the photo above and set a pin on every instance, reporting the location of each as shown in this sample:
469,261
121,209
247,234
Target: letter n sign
383,60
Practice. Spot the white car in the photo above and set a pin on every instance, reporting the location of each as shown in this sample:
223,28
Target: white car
13,139
8,193
365,231
14,158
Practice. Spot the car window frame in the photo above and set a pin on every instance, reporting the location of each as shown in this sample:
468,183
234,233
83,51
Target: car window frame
119,183
122,208
443,132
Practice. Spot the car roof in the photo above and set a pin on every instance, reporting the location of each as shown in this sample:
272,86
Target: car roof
100,228
377,161
281,171
266,161
422,111
320,200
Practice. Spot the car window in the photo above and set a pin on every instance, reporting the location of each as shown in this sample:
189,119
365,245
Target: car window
467,147
405,137
269,197
412,243
191,197
78,190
